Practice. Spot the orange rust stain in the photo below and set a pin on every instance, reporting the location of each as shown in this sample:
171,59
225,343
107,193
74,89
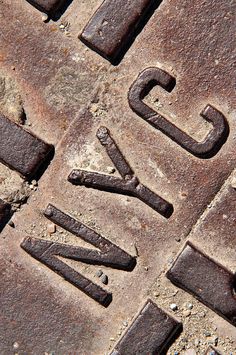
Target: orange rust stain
63,123
65,51
53,28
2,57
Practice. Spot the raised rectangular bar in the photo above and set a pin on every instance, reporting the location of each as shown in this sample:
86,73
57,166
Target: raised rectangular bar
151,332
48,6
113,25
208,281
20,150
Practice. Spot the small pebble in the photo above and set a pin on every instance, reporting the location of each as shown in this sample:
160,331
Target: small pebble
34,183
202,314
233,182
44,18
11,224
215,340
173,307
51,228
104,279
99,273
189,305
207,333
186,313
15,345
125,323
111,170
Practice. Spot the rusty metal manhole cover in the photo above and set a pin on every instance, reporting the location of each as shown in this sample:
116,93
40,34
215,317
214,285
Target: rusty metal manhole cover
117,177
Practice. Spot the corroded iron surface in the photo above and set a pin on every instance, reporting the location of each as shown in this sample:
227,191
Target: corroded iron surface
141,184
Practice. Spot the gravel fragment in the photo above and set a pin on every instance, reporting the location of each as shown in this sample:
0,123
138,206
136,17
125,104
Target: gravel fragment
173,307
111,170
15,345
99,273
207,333
51,228
186,313
202,314
104,279
44,18
11,224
